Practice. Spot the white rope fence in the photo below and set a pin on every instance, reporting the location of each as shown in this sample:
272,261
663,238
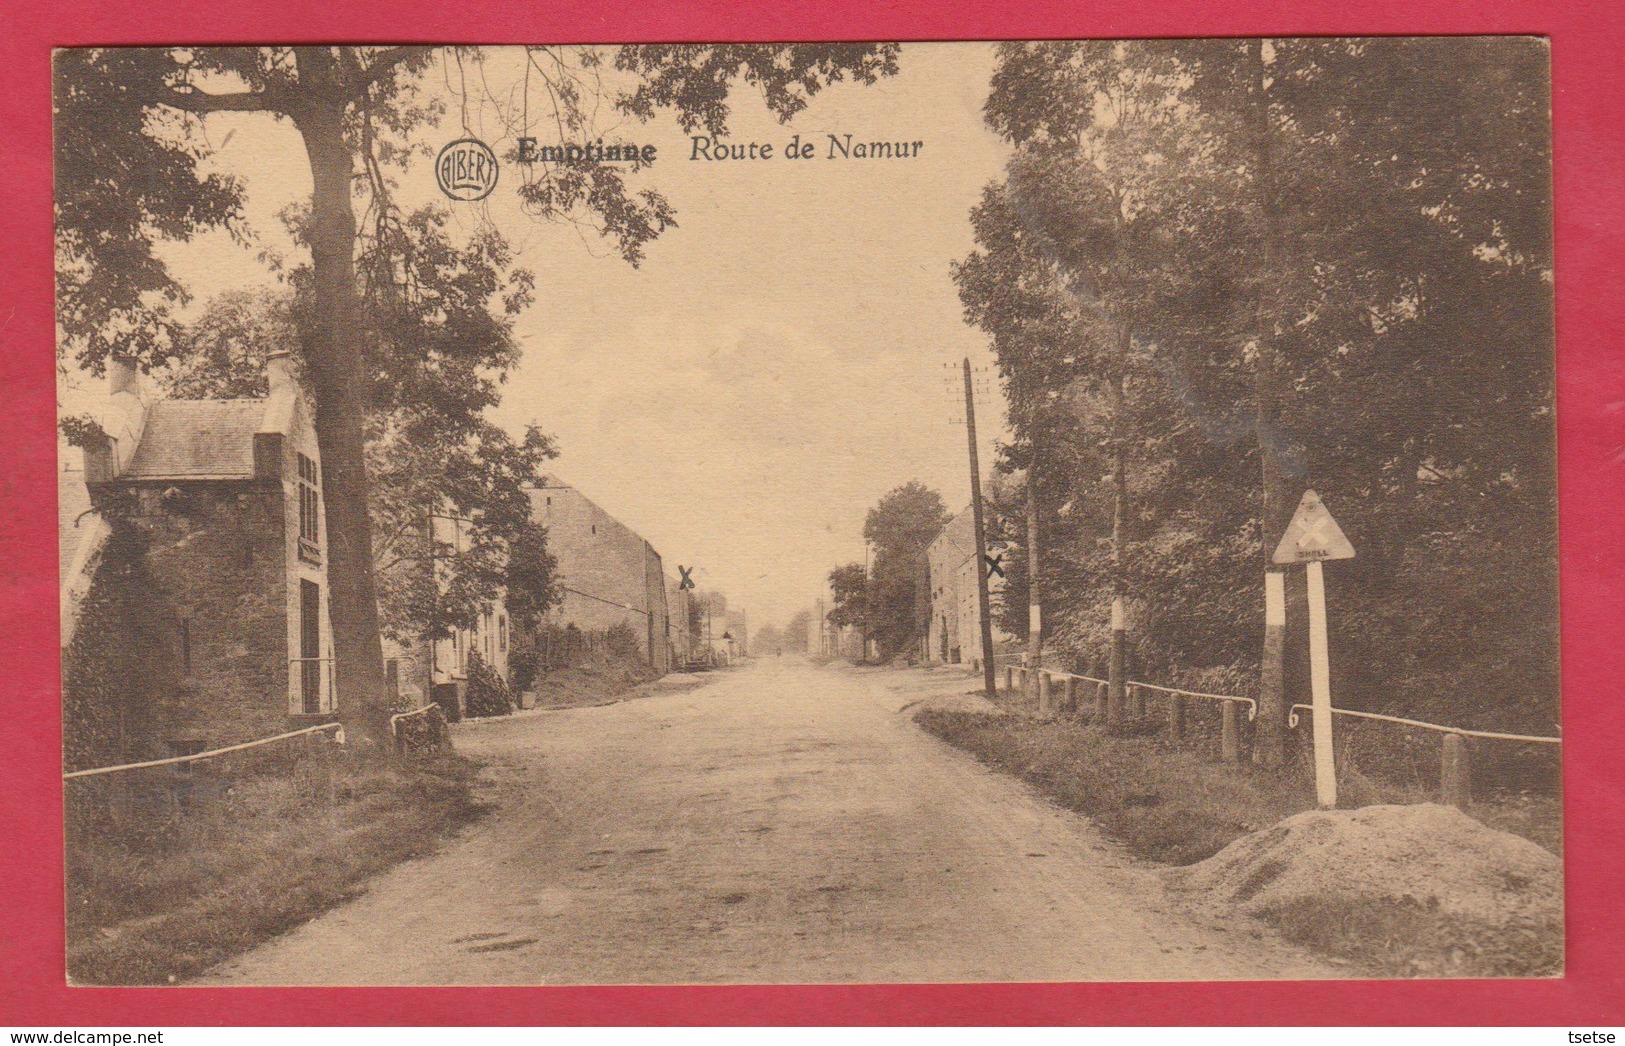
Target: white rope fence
1130,685
1292,720
1455,775
173,760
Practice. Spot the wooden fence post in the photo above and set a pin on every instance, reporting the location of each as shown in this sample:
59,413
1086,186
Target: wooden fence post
1009,678
1102,703
1176,717
1069,701
1044,695
1229,745
1457,775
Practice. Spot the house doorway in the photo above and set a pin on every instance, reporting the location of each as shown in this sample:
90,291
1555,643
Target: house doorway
310,647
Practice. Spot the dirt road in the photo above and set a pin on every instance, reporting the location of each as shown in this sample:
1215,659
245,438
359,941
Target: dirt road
783,822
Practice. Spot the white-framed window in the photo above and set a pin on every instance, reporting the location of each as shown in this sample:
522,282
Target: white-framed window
310,509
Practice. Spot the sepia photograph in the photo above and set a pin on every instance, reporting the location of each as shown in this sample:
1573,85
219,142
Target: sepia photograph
808,513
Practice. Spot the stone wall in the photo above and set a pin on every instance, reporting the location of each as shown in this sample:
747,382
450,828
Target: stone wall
609,575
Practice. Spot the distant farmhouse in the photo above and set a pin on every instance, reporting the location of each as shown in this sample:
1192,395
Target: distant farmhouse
611,578
194,583
954,631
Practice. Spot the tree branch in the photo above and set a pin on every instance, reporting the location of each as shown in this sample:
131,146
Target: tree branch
383,63
192,100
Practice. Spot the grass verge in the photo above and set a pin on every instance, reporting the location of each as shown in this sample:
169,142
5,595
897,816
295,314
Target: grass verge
158,890
1388,938
1174,805
1164,803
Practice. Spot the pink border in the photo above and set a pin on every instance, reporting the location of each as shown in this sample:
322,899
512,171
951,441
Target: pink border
1588,38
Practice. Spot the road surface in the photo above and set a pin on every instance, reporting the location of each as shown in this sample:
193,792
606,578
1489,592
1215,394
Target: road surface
783,822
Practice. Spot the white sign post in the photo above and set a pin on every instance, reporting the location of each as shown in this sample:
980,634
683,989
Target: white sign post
1311,538
1320,678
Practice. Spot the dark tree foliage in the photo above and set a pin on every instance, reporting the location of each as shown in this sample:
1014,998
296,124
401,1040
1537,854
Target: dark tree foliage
708,609
127,177
883,602
488,695
1367,313
900,527
696,81
849,597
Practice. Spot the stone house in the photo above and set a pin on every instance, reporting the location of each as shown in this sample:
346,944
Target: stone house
954,629
610,577
194,583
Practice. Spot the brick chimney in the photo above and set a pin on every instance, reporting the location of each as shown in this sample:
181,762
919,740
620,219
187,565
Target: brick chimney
122,376
122,420
279,372
281,407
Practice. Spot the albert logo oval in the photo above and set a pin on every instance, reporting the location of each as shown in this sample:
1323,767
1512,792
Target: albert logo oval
466,170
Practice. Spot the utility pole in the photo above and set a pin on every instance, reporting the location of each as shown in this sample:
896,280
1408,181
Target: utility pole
863,628
1269,747
990,686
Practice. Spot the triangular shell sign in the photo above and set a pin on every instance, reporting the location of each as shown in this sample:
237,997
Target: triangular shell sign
1312,535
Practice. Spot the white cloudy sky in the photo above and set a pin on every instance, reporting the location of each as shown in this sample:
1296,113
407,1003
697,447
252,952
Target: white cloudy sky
776,364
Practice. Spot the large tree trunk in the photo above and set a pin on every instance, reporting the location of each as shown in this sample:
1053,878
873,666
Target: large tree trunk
1117,659
1035,619
335,368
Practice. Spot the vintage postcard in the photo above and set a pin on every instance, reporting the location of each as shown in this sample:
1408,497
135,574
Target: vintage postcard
808,513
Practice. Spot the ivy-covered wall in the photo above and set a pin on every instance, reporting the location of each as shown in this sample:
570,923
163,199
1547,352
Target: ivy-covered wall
183,640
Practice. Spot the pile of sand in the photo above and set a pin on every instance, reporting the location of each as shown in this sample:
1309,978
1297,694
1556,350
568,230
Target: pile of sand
1432,855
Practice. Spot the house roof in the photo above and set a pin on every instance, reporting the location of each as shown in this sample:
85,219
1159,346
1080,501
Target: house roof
198,439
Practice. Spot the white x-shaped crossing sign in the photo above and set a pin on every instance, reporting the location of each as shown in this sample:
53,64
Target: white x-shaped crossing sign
1312,535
